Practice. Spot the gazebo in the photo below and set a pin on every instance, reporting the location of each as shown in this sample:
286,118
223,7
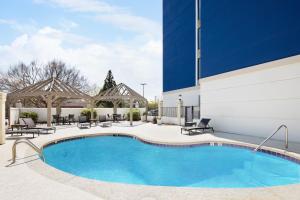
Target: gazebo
120,93
51,90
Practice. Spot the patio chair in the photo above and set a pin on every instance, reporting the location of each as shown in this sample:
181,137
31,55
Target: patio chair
83,122
56,119
116,117
71,118
201,126
102,118
109,117
31,125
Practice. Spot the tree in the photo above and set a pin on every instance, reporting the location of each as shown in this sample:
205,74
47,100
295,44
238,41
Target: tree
69,75
22,75
109,82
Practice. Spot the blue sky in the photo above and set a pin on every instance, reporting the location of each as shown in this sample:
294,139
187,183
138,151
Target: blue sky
93,35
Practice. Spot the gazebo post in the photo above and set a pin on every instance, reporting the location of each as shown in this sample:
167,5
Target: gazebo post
115,107
131,110
49,107
146,109
58,107
92,106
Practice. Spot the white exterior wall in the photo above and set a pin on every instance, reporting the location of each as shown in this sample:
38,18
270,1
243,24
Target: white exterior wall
42,112
14,115
190,97
256,100
172,120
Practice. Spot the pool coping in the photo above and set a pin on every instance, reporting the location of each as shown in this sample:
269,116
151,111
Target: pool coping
104,189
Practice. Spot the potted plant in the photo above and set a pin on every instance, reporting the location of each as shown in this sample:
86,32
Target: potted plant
136,115
159,122
143,118
33,115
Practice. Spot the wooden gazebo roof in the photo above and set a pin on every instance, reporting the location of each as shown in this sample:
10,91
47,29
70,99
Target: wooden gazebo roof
121,92
50,87
50,91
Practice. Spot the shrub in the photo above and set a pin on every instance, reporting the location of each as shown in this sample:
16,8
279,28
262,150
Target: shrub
33,115
136,115
87,112
152,105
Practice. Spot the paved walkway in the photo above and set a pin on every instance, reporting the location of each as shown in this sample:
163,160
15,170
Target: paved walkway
31,179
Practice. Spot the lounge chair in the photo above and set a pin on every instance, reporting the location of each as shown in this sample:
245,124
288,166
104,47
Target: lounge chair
83,122
31,125
24,131
106,124
201,126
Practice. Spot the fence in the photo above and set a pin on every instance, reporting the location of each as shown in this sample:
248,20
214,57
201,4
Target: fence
196,112
188,113
169,111
42,112
191,111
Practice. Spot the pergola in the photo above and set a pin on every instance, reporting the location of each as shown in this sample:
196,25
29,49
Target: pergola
121,93
51,90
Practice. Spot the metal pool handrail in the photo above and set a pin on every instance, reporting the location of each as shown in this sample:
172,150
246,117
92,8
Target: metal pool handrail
29,143
286,137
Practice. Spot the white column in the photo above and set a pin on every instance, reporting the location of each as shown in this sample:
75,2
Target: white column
91,105
179,105
2,117
49,107
131,110
160,107
115,109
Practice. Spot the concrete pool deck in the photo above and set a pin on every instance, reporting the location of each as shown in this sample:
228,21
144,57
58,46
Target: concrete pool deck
30,178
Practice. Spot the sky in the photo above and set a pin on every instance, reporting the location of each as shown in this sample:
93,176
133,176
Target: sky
92,35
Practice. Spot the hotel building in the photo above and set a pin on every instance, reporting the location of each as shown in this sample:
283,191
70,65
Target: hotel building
239,60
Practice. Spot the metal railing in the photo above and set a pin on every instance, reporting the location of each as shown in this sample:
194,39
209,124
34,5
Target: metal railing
286,137
169,111
196,112
29,143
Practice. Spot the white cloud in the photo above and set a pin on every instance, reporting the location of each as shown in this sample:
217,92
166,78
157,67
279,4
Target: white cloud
82,5
6,21
132,62
107,13
20,27
132,23
68,25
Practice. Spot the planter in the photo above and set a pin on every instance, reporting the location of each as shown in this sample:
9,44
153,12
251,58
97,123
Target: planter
143,118
159,122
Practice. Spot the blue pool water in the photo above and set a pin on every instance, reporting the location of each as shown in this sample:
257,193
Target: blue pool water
125,160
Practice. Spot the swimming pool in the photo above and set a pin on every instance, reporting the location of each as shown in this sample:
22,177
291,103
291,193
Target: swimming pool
126,160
